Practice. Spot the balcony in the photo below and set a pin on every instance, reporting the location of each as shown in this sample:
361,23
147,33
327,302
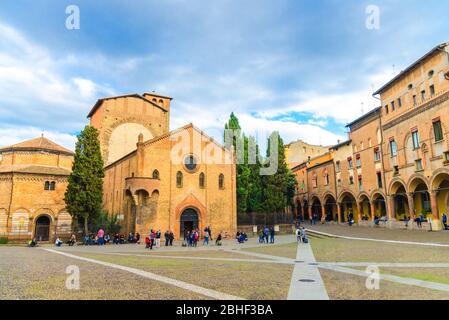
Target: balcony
134,184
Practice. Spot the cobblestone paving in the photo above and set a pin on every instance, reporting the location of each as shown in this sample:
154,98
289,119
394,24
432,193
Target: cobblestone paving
31,273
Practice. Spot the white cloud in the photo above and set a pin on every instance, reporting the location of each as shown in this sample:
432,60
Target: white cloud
35,89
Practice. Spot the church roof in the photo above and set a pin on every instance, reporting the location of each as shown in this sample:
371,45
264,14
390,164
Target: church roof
131,95
34,169
37,144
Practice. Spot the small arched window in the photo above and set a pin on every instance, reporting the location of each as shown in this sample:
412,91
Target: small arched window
221,181
155,174
326,178
161,102
52,186
179,179
314,180
47,185
202,180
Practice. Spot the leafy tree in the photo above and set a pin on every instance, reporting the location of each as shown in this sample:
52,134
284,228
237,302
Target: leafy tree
280,187
243,171
84,194
255,185
108,223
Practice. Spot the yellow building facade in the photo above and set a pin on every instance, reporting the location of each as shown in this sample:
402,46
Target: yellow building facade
395,164
33,180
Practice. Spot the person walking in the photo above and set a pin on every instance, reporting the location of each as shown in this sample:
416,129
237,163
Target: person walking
171,238
167,238
206,238
261,237
152,239
266,232
272,235
304,235
298,235
196,237
158,239
100,236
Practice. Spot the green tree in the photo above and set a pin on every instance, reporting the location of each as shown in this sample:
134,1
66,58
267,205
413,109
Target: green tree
255,185
279,188
109,223
238,143
84,195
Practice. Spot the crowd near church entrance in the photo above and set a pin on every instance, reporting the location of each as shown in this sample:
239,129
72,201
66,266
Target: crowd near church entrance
189,220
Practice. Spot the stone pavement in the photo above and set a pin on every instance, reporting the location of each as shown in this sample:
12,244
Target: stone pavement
306,282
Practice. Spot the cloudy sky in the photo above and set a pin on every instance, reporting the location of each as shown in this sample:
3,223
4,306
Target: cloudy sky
305,68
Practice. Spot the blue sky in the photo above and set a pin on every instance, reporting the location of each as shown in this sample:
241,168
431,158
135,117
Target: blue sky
305,68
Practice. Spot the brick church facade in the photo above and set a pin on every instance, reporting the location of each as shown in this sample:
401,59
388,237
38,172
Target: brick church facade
155,178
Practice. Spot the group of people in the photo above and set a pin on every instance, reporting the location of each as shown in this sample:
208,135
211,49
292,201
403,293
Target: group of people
241,237
192,237
301,235
266,235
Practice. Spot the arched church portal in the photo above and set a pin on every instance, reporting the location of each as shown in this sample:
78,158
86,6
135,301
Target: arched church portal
188,221
42,231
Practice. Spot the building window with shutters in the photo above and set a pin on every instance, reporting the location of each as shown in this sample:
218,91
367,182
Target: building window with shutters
437,130
377,154
393,148
358,161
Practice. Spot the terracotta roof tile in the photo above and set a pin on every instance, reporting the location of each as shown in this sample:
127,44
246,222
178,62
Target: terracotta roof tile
37,144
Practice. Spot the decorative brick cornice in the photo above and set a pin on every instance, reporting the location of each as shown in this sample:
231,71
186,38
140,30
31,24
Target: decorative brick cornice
420,109
31,177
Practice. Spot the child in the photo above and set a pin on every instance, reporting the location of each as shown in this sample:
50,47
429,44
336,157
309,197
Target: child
147,242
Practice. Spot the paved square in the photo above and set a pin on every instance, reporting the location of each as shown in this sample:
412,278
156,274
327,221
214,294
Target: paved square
327,268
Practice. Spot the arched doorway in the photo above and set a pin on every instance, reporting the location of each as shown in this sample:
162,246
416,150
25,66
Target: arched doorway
330,208
348,207
400,206
380,205
365,207
421,197
440,185
42,230
316,209
189,221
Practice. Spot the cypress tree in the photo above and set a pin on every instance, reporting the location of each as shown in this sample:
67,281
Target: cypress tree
84,194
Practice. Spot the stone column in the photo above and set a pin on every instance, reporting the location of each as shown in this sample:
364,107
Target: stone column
359,212
310,212
373,210
339,212
390,208
411,206
323,214
434,205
